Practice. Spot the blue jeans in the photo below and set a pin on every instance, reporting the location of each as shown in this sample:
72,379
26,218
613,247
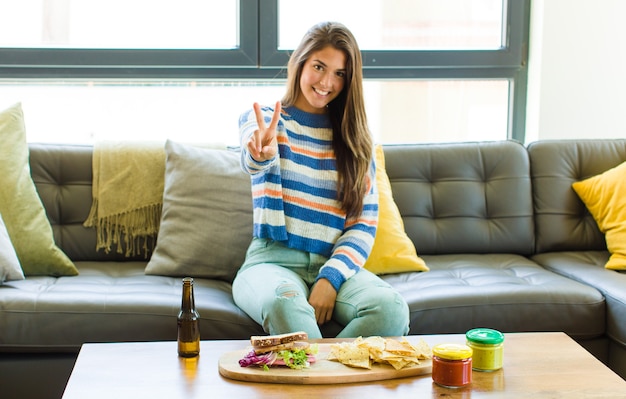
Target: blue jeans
273,285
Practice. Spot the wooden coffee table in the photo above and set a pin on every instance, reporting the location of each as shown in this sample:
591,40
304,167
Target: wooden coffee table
536,365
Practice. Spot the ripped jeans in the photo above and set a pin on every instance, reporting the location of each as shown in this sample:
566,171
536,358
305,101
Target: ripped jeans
273,285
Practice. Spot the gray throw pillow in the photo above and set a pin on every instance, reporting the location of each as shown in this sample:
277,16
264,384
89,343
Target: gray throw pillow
10,268
206,223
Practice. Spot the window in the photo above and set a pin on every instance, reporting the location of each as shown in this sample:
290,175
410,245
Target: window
435,70
121,24
401,24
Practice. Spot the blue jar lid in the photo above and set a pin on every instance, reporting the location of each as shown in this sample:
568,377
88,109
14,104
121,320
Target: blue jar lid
485,336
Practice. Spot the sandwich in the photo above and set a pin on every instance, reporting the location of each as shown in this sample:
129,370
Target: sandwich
291,350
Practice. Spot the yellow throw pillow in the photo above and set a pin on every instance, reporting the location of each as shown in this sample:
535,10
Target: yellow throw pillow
393,250
604,196
21,208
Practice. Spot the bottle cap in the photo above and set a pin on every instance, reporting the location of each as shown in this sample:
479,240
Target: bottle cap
452,351
485,336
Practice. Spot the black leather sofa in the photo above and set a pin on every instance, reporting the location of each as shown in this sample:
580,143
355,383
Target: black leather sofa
508,242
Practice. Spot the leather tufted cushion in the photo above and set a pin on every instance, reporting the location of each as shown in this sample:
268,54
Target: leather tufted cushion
63,177
464,197
563,222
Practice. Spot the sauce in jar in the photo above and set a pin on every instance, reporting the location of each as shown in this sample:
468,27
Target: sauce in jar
487,348
452,365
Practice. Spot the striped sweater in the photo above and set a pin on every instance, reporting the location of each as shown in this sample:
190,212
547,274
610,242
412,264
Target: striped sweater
295,194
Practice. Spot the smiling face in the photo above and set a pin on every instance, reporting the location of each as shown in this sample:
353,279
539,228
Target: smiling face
322,79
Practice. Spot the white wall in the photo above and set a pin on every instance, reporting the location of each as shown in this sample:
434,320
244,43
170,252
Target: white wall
577,70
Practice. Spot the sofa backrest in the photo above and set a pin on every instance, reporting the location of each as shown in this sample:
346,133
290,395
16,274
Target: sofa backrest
562,220
464,197
63,178
454,198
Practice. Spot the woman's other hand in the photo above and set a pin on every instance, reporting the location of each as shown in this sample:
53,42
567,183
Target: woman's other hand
262,145
322,298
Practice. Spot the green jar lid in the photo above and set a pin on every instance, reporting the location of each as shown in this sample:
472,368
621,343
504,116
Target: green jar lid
485,336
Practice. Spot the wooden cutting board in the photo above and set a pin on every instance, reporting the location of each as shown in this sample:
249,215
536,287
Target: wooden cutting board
321,372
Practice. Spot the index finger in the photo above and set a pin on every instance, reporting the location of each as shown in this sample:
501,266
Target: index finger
260,120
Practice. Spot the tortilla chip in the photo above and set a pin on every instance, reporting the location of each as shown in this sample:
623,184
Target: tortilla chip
350,355
376,343
362,352
423,349
399,363
400,348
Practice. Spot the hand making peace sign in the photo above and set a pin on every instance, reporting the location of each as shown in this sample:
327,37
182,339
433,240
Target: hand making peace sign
262,145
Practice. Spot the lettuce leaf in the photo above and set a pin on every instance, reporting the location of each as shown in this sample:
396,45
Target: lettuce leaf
295,359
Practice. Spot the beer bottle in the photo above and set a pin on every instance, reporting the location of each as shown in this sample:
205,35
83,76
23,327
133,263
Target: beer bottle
188,323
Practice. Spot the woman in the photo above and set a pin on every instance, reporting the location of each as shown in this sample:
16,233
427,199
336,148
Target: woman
315,201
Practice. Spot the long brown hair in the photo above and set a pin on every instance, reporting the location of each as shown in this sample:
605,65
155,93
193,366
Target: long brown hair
352,141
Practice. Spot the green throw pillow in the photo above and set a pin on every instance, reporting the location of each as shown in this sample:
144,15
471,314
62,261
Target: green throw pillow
21,208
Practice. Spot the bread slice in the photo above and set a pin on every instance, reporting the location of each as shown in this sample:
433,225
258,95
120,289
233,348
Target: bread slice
271,340
293,345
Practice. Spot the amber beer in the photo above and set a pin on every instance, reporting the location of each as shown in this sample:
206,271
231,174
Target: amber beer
188,323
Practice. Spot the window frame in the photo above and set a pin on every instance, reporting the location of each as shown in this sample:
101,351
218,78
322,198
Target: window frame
258,58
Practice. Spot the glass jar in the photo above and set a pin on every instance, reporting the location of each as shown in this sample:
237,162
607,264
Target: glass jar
487,347
452,365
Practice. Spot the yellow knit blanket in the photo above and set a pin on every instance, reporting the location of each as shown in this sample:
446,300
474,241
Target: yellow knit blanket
128,181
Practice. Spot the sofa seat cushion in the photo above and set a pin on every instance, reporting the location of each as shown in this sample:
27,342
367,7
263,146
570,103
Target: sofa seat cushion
502,291
588,268
109,302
